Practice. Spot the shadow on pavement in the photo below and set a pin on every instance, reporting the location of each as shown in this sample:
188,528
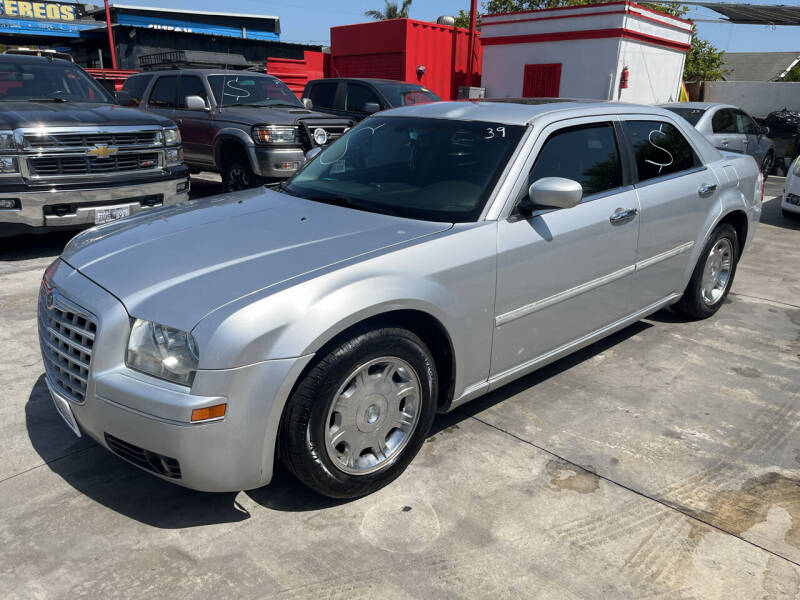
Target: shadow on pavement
26,247
771,214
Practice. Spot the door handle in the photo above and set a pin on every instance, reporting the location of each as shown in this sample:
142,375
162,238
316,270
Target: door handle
623,215
707,189
724,142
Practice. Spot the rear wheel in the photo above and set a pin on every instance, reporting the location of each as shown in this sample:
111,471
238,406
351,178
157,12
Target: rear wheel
713,275
237,174
361,414
768,164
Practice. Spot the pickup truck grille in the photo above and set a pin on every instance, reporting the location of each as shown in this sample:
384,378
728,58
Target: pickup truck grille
80,140
87,165
66,337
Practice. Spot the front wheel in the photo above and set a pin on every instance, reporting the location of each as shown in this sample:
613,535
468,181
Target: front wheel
237,174
768,164
361,413
713,275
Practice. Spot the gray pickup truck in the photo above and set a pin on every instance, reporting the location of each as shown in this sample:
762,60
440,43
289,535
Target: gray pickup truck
71,156
248,126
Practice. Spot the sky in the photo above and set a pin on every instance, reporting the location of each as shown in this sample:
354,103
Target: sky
310,20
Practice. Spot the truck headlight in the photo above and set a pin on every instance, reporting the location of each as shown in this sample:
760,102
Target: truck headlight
172,137
276,134
174,157
162,351
7,142
8,165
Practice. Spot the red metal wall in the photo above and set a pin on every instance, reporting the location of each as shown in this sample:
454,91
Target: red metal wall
296,73
393,49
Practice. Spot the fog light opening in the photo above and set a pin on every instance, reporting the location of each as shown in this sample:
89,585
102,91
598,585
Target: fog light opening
209,412
9,203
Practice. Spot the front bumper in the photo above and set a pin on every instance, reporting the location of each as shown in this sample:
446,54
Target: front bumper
77,207
275,162
134,415
791,202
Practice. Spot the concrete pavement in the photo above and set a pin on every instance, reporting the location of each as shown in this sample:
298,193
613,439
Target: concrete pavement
661,462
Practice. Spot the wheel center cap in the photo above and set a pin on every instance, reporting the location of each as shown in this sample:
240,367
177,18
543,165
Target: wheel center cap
373,412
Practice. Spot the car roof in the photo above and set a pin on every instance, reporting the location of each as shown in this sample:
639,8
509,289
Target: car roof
520,111
366,80
697,105
29,58
203,72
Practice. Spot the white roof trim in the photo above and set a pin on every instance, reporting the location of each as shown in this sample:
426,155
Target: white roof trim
190,12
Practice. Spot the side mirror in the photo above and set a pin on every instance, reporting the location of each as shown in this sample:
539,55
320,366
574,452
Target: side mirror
194,103
124,98
555,192
308,103
312,153
371,108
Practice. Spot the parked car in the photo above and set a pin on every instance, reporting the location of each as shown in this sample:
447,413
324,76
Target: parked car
248,126
433,254
790,202
729,128
357,98
70,156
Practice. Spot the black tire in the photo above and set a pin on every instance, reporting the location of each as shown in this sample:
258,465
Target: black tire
693,304
237,175
302,437
792,216
768,164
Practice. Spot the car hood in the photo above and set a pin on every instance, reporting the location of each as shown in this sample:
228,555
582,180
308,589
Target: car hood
28,114
255,115
177,264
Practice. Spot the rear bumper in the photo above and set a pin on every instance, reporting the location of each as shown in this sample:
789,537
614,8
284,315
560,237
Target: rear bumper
78,206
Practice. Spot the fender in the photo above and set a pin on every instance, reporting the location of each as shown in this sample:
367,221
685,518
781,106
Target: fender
234,134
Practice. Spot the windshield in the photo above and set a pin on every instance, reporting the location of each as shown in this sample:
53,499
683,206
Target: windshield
251,89
404,94
429,169
57,81
690,114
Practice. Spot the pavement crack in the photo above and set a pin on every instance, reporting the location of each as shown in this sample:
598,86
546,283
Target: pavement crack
639,493
49,462
765,299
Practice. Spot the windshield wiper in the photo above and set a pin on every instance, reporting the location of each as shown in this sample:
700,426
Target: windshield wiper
352,203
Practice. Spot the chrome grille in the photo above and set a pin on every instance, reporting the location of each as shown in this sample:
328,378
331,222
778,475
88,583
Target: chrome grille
87,165
66,337
82,140
334,130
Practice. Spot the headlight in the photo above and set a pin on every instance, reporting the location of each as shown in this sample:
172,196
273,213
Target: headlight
162,351
7,141
172,137
174,156
276,134
8,165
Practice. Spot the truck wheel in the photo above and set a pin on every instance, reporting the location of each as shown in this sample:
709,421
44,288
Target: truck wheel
238,175
360,414
713,275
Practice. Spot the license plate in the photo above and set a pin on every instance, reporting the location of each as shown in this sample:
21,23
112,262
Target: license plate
104,215
63,408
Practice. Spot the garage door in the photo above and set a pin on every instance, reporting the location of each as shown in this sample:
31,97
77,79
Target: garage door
542,81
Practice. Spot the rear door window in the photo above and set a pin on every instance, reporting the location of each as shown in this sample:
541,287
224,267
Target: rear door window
323,94
163,94
660,149
724,121
587,154
136,86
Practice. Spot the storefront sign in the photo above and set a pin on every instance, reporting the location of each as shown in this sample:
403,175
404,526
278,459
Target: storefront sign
51,11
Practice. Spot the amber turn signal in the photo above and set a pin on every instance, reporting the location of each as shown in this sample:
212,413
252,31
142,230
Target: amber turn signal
210,412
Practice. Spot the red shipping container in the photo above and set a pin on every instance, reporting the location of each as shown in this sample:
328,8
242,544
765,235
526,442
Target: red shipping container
397,48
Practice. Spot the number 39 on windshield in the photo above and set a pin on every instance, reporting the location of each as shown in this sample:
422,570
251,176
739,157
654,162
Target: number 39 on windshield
492,132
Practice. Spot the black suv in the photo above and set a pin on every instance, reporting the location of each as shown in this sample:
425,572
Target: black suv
70,156
358,98
249,126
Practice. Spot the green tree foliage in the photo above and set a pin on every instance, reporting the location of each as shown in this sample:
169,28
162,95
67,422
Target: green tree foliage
391,10
793,74
703,61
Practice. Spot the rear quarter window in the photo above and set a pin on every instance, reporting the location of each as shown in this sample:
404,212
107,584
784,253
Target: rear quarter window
660,149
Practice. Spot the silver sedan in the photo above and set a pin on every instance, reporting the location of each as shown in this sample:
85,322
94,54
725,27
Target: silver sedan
432,254
729,128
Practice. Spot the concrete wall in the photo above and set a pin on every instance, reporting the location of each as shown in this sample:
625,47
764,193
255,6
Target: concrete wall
755,97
